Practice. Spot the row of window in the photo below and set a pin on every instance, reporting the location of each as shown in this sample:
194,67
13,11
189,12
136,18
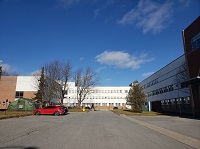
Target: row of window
160,90
100,97
20,94
100,104
102,91
155,81
176,101
196,42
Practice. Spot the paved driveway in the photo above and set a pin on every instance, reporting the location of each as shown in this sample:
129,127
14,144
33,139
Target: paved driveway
93,130
186,126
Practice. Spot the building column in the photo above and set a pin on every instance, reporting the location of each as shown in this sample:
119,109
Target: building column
149,103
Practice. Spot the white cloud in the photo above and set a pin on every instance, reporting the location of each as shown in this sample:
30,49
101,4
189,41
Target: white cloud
110,2
9,69
96,13
184,3
36,73
149,15
108,79
122,59
147,74
100,69
67,3
81,59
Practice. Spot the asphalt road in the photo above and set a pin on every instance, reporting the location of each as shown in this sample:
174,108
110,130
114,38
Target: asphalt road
93,130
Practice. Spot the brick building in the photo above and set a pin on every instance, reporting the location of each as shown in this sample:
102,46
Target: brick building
191,40
15,87
102,97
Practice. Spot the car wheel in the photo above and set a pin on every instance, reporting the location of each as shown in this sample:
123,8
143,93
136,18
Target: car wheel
56,113
37,113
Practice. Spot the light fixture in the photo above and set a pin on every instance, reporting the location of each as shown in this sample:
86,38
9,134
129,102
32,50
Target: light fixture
198,77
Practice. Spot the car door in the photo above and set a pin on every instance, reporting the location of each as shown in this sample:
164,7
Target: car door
52,109
46,110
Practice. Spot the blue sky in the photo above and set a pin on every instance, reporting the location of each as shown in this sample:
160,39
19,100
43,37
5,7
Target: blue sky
123,40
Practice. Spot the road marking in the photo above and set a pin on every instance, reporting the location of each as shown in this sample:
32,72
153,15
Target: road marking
177,136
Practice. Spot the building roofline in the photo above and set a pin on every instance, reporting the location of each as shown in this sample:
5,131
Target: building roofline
162,68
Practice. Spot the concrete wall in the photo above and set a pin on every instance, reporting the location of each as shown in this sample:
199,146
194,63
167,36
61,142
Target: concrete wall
26,83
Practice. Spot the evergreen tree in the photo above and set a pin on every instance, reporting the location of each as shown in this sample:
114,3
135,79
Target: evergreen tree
39,96
136,97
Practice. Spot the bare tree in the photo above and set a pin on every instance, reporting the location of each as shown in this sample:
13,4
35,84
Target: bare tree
52,86
181,77
65,75
4,70
56,77
7,73
1,70
85,80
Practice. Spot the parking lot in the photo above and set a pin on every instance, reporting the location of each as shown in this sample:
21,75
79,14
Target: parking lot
96,130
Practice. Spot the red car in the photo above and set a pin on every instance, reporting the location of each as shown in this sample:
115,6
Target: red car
55,110
64,107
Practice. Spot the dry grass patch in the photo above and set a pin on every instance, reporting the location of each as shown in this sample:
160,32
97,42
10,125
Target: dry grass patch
12,114
78,110
130,113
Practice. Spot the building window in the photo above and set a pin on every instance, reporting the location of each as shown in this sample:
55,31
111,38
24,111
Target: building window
19,95
188,100
162,102
111,104
172,101
196,42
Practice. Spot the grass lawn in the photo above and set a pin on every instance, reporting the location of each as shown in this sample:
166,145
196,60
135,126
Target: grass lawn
78,110
12,114
130,113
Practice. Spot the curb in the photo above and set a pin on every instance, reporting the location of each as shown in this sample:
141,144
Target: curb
176,136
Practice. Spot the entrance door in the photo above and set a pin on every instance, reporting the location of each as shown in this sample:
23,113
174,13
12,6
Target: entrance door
156,106
21,105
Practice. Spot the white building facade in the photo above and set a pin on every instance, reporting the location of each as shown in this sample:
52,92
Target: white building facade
103,97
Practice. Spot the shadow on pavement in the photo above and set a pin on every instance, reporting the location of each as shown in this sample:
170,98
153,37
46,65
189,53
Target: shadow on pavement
189,116
20,147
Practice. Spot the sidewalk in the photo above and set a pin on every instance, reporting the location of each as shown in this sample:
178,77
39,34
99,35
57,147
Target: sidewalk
181,129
